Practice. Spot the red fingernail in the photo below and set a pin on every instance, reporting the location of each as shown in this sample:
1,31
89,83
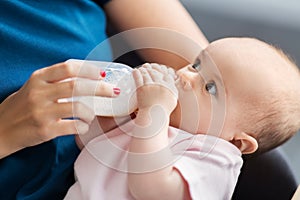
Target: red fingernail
117,91
103,74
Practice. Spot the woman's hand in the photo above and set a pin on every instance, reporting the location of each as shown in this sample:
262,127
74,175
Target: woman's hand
33,114
156,87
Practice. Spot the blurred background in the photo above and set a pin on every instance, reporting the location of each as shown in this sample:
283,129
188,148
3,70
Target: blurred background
274,21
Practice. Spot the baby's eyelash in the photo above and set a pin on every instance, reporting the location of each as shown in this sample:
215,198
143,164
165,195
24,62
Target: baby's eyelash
197,64
211,88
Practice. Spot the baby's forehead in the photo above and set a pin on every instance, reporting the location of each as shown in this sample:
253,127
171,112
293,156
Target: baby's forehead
248,53
251,61
239,46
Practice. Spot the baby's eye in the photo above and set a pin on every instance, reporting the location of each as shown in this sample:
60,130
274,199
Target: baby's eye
197,65
211,88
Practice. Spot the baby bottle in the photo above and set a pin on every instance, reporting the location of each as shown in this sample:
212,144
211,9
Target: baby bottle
125,103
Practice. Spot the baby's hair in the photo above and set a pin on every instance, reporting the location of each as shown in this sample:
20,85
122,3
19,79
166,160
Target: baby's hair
274,118
273,121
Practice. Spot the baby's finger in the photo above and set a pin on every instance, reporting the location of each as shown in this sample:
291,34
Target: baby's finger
171,72
146,76
156,76
164,69
170,82
138,78
160,68
147,66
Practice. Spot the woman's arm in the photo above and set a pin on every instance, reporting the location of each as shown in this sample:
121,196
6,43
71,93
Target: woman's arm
169,14
149,177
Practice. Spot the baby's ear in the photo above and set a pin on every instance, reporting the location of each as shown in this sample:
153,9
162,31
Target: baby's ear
245,142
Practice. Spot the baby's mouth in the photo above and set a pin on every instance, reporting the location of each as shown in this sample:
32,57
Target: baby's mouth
178,83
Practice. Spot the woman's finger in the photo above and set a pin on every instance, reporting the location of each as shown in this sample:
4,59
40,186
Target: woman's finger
69,69
70,127
105,89
75,110
86,87
81,87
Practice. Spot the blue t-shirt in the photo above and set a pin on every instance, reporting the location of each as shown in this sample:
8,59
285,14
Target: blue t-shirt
36,34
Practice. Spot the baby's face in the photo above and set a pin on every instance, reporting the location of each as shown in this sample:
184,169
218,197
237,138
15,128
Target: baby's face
231,71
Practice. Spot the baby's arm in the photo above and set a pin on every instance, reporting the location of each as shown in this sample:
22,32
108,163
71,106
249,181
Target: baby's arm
155,104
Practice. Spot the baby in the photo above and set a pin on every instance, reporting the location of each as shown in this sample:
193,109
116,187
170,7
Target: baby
241,96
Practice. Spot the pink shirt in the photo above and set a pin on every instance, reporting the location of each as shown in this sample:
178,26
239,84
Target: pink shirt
209,165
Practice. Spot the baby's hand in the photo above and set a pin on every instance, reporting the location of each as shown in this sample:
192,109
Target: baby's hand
156,86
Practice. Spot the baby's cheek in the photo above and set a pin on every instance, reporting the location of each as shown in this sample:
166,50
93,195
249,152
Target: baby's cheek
206,111
188,113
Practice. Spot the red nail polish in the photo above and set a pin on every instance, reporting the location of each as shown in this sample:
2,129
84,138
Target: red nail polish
116,91
103,74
